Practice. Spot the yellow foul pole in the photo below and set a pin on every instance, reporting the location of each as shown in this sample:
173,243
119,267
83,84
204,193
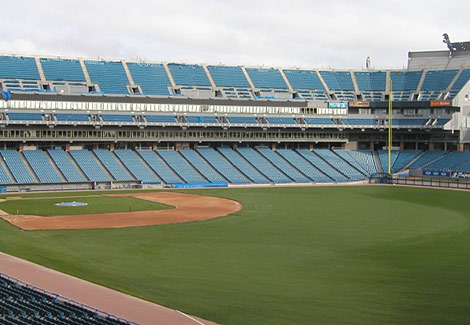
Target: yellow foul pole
390,125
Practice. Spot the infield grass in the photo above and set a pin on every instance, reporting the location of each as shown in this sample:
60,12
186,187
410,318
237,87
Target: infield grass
45,206
320,255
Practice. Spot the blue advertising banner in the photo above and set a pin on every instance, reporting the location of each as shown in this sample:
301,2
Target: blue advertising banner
436,173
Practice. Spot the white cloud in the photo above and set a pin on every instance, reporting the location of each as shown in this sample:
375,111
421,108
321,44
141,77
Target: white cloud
303,33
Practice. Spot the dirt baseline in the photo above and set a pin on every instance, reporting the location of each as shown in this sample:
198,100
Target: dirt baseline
188,207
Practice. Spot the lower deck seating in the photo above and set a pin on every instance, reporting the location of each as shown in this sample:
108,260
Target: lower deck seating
224,165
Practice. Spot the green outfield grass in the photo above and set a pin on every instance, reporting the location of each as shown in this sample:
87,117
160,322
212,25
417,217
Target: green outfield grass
315,255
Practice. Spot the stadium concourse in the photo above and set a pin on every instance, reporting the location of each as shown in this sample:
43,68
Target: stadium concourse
80,124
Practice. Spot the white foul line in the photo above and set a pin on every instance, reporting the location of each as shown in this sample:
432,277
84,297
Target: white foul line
190,317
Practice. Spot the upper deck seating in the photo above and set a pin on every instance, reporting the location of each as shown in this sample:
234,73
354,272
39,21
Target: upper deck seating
228,76
189,75
62,69
266,78
152,78
109,75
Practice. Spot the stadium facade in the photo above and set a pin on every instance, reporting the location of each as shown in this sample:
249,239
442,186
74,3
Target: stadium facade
79,123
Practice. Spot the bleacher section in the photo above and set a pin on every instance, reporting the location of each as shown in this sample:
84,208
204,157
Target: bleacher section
307,84
359,121
42,166
281,120
110,76
189,75
404,158
117,118
181,167
227,76
404,84
72,117
89,165
242,120
383,157
17,166
110,162
225,168
340,164
283,165
151,78
21,304
62,69
452,161
66,166
4,178
202,119
162,169
136,166
266,78
364,158
13,116
302,164
202,166
244,166
164,119
322,165
224,165
18,67
345,155
319,121
21,73
426,158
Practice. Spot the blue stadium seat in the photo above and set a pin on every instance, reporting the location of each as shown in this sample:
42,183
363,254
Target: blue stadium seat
110,76
219,163
305,166
112,165
152,78
89,165
136,166
66,166
322,165
42,166
228,76
71,117
371,80
181,166
18,67
263,165
204,168
160,118
340,164
243,165
17,166
189,75
62,69
160,167
283,165
266,78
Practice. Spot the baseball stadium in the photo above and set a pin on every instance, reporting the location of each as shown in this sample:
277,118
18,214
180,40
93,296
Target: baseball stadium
139,192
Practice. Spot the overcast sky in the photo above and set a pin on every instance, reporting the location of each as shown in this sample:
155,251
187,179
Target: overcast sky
292,33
